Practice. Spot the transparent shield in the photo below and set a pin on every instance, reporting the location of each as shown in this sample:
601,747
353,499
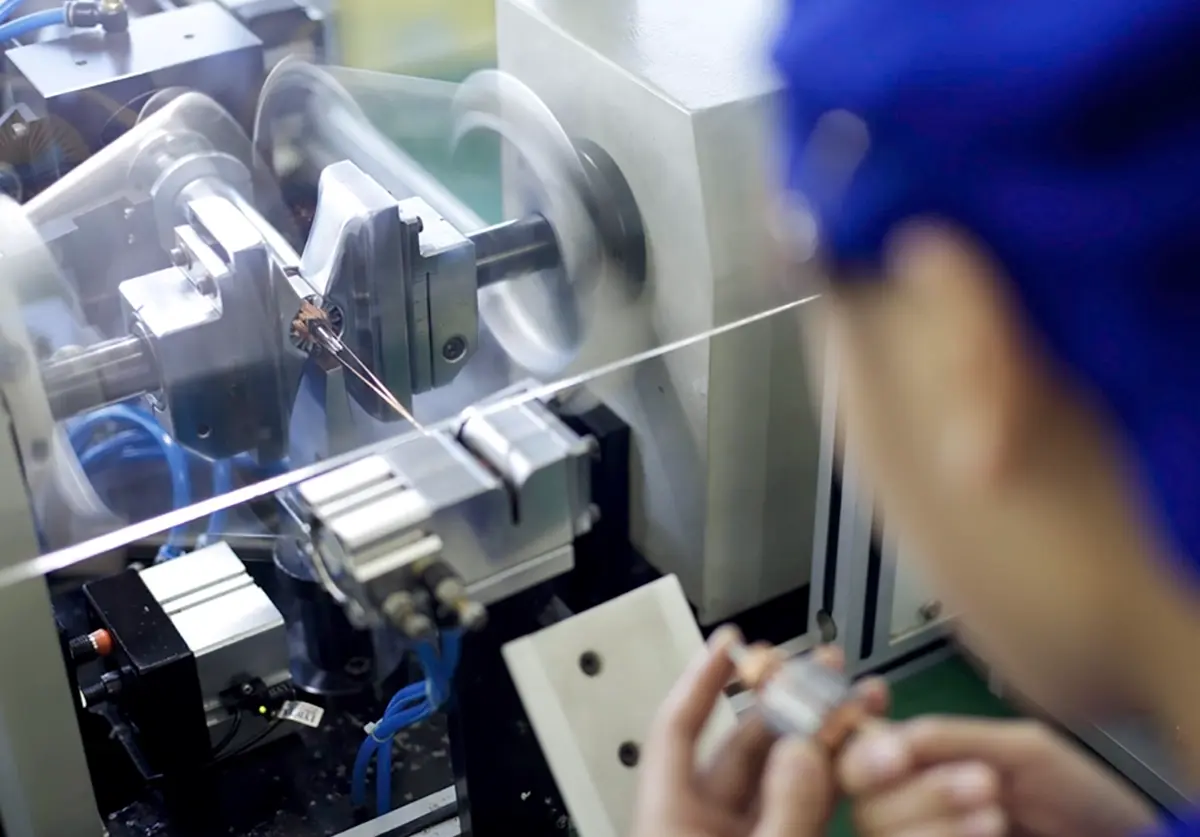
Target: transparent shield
252,348
450,240
286,595
686,451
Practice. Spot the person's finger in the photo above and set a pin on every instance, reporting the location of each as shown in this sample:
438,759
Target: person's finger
1003,744
989,822
875,695
874,692
797,791
946,792
732,778
876,757
830,656
671,750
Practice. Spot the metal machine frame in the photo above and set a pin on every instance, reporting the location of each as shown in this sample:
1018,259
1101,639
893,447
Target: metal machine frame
864,596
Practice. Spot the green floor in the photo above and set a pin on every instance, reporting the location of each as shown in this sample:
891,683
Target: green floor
951,687
948,687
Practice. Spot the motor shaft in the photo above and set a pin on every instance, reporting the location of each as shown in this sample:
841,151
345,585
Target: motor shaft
524,245
105,373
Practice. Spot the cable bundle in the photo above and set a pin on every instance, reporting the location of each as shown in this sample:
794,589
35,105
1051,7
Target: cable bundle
411,705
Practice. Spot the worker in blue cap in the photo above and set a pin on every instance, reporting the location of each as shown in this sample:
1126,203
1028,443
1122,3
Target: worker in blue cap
1014,300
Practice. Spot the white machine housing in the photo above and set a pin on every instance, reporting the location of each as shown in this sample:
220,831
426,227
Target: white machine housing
726,438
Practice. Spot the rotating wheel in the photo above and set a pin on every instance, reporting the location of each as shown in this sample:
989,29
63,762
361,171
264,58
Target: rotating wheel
541,320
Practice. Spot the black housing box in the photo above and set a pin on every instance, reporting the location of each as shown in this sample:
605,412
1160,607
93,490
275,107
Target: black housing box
97,82
160,692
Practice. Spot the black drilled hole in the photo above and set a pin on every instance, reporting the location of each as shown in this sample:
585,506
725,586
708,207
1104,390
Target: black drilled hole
204,431
188,36
589,663
629,753
82,62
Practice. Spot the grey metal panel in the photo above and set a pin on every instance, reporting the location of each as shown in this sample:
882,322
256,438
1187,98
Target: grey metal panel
401,820
725,438
1135,753
698,53
45,787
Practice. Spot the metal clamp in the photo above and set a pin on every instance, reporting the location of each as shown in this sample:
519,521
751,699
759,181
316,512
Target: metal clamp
222,386
442,524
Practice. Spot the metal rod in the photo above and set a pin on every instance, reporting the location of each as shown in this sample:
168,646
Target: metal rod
514,247
98,375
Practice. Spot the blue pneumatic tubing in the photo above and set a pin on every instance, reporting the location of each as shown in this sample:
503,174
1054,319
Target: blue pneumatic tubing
22,26
181,493
8,7
411,705
222,483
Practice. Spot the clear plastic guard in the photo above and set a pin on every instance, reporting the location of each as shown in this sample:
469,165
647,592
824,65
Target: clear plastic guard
246,516
108,238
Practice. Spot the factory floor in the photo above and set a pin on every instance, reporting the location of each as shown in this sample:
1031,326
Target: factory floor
948,688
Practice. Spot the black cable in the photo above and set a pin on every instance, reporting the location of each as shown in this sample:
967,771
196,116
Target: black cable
124,735
256,740
230,735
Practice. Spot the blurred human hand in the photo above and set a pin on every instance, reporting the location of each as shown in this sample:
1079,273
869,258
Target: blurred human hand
755,786
966,777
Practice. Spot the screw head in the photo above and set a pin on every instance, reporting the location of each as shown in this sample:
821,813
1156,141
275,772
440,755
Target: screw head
357,666
827,627
930,611
454,349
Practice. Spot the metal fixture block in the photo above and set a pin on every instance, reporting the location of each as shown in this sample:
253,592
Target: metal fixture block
228,623
500,503
84,81
591,686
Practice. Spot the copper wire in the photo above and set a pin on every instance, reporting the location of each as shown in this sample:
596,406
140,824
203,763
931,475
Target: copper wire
311,325
364,374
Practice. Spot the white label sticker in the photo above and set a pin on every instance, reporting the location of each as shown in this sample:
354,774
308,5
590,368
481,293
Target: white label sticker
302,713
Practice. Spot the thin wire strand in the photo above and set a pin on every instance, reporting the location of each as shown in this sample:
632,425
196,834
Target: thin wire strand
375,385
321,333
77,553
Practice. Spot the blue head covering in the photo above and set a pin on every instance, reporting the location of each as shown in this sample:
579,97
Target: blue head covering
1066,135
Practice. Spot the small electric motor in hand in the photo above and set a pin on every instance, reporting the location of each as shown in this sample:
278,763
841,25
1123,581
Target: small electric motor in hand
798,696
